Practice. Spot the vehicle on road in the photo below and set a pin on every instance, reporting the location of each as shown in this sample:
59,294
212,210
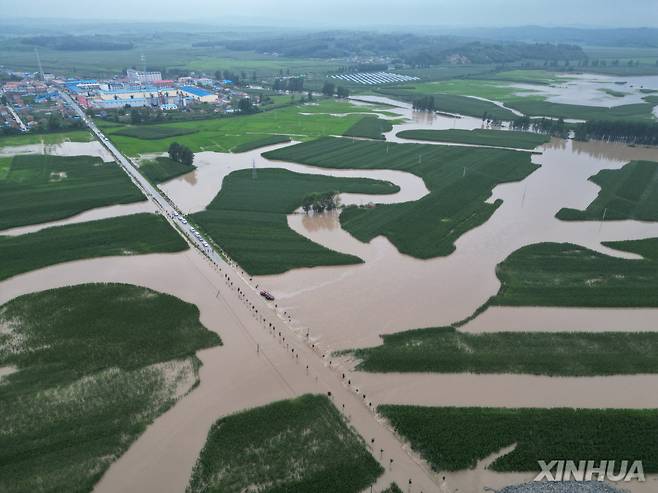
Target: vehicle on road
267,295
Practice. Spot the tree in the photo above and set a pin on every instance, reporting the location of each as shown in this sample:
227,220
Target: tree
245,106
310,96
181,154
175,151
342,92
328,89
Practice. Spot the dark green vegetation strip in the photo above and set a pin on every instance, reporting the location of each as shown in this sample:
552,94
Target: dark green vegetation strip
96,364
451,438
533,107
460,179
445,350
265,141
499,138
42,188
627,193
369,127
562,274
154,132
298,445
162,169
126,235
248,218
393,488
450,103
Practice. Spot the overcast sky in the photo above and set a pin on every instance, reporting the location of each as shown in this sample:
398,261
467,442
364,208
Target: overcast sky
609,13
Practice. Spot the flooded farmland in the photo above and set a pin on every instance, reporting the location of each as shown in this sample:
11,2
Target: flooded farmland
346,307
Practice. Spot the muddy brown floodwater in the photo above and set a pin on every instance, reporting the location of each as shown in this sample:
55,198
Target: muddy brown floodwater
350,306
93,148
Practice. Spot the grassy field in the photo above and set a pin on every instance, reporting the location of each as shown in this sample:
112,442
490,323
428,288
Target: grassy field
485,137
627,193
125,235
231,134
369,127
562,274
161,169
248,218
445,350
298,445
42,188
459,180
452,438
97,363
265,141
153,132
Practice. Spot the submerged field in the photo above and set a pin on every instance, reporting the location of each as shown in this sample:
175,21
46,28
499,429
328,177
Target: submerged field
298,445
41,188
483,137
446,350
48,138
248,218
95,364
452,438
125,235
242,132
562,274
627,193
460,179
460,96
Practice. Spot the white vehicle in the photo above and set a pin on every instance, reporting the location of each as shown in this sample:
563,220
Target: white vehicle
184,221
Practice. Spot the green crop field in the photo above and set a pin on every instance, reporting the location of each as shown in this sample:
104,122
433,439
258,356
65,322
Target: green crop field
48,139
153,132
452,103
96,364
484,137
627,193
42,188
531,107
369,127
248,218
161,169
562,274
460,179
453,438
299,122
265,141
446,350
125,235
298,445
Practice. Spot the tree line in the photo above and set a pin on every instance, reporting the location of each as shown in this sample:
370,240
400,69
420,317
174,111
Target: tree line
550,126
181,154
320,201
645,133
292,84
330,89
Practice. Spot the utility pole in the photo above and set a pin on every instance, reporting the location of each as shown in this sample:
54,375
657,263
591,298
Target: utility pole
36,52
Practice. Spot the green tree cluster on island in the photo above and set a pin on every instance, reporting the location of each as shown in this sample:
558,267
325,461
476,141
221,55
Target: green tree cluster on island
181,154
320,202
